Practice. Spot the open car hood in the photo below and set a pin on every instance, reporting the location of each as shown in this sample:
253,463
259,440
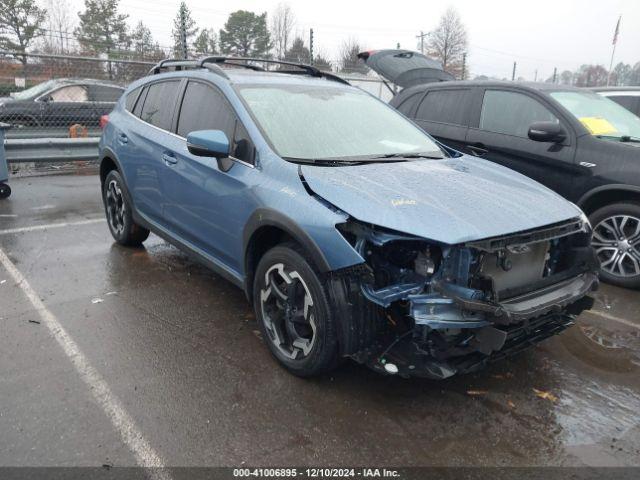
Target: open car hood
404,67
450,201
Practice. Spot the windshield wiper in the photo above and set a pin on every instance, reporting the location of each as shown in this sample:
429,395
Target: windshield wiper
430,156
622,138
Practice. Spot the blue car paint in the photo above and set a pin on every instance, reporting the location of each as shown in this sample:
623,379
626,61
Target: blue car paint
449,201
214,142
214,213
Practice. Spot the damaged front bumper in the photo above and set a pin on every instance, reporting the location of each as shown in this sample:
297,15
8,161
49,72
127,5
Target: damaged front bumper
448,310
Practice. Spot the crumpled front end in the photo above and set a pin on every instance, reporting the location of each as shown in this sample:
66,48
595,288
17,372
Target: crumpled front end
419,308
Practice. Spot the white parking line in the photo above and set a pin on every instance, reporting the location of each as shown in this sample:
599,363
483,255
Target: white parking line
145,455
608,316
36,228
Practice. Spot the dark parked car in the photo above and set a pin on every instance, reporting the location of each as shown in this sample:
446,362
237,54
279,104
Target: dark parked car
352,232
574,141
628,97
60,103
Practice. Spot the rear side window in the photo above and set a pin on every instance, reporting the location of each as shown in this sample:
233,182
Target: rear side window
159,104
406,107
628,102
512,113
444,106
205,108
104,93
130,101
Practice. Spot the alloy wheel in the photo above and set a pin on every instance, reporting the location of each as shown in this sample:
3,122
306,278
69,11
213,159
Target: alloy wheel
617,243
287,312
115,207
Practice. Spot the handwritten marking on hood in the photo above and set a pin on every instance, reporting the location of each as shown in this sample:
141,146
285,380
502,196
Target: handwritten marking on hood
398,202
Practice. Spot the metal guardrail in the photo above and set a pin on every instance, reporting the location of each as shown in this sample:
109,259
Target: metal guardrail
45,150
42,150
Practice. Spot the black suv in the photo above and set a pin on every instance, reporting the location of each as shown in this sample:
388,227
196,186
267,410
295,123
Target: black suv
576,142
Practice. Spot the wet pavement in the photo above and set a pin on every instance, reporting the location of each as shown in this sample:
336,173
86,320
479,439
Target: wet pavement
178,347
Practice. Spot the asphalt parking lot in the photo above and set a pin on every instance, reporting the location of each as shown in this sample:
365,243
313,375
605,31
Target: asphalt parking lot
125,356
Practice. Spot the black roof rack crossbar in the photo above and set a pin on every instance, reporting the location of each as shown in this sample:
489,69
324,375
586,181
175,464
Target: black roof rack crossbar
213,63
308,69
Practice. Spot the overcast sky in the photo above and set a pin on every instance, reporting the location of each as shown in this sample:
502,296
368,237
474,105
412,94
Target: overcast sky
538,34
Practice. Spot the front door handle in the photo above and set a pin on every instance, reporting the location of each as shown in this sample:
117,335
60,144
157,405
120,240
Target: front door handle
477,150
169,159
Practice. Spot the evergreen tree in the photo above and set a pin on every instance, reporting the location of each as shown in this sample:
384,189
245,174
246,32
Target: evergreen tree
102,29
246,34
183,16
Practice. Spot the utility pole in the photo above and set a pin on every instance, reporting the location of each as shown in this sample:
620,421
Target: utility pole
421,37
183,33
464,65
555,74
535,77
513,74
311,46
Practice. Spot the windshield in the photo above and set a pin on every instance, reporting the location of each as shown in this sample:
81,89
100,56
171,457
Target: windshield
317,122
34,91
601,116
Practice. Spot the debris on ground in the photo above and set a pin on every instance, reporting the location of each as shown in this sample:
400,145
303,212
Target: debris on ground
34,321
97,300
477,392
545,395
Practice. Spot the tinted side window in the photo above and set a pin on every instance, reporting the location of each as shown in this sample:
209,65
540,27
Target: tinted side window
511,113
104,93
444,106
204,108
137,110
628,102
159,104
130,101
408,103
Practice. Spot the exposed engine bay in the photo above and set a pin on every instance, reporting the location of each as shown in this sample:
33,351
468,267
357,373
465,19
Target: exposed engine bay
432,310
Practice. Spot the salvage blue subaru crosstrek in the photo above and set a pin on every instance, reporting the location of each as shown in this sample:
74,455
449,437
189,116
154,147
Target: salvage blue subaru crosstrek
352,232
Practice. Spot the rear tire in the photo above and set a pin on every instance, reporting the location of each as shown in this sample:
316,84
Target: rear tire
119,213
5,191
292,307
616,238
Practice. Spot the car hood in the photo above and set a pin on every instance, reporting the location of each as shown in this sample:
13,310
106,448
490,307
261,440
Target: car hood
404,67
449,201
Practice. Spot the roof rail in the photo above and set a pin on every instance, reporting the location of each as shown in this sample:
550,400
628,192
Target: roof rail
213,63
308,69
177,63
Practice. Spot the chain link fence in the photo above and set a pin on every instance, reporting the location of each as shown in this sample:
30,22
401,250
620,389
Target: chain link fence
53,96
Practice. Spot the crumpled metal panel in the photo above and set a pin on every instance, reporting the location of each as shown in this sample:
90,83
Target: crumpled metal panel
450,201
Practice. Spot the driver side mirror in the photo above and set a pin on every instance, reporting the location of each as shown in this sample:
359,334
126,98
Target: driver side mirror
547,132
208,143
46,99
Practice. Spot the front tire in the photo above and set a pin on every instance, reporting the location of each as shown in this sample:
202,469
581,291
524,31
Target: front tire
293,312
616,238
119,213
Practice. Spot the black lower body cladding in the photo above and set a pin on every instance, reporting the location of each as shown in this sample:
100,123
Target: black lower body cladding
418,309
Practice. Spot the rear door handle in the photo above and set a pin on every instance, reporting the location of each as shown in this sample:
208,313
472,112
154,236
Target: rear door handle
477,150
122,138
169,159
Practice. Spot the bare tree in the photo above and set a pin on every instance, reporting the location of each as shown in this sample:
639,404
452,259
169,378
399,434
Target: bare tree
281,26
59,27
448,42
349,61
